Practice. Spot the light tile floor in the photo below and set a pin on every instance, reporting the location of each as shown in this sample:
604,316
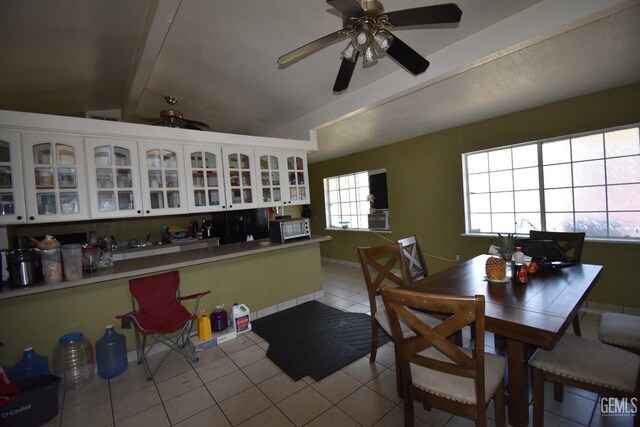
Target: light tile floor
235,384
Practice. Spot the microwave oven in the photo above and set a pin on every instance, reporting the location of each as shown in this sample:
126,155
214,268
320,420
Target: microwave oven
285,230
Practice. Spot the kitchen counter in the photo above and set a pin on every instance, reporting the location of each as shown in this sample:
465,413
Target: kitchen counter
157,263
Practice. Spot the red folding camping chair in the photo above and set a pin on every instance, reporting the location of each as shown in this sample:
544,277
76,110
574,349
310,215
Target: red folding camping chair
159,313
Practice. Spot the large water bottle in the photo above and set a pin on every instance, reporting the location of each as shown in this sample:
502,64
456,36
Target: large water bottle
31,365
73,360
111,354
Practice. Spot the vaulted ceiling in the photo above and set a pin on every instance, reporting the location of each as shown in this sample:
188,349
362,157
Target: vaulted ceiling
218,58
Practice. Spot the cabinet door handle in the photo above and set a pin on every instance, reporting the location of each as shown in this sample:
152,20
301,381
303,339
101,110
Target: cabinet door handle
31,218
148,211
19,217
139,211
230,206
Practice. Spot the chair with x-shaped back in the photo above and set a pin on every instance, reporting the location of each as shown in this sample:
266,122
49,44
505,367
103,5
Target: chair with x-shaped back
434,370
413,257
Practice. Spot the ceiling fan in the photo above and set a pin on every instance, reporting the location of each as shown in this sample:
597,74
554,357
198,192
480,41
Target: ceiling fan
174,119
366,23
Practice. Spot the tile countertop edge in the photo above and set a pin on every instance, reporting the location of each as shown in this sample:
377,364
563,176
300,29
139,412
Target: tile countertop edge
157,263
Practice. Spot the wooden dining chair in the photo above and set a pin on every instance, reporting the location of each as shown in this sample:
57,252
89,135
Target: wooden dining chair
586,364
571,244
413,258
621,330
433,370
379,266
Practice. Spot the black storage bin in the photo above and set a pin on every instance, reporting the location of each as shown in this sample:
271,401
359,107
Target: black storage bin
36,404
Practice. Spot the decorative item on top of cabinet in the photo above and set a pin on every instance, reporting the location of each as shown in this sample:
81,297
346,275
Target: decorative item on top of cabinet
162,178
12,207
205,183
240,185
114,178
54,177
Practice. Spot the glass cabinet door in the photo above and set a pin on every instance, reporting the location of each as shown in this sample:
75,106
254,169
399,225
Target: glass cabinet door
205,191
270,168
240,185
56,174
12,208
113,183
162,173
297,179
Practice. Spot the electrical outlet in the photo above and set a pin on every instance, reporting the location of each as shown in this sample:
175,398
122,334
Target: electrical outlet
457,257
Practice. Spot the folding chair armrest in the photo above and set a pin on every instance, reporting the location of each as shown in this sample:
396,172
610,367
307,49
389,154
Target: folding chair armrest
198,295
131,315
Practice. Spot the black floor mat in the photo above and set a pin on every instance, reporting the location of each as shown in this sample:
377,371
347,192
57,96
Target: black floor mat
315,339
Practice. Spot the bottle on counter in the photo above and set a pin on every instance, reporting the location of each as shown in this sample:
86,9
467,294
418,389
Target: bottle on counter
518,256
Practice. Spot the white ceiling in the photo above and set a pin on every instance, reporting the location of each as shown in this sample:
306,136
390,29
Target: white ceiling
218,58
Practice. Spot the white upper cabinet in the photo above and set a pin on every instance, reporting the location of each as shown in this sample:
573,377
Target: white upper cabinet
54,177
297,178
162,178
282,178
204,178
271,178
12,207
240,183
114,178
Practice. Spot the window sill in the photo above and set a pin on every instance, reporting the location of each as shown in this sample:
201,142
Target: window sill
587,239
365,230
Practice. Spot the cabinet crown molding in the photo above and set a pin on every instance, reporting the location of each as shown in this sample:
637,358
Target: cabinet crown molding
103,128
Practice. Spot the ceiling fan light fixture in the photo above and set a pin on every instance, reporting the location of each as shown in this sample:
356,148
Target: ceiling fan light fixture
383,40
370,56
350,52
363,39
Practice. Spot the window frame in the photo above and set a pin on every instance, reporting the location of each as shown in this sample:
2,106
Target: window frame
522,225
362,204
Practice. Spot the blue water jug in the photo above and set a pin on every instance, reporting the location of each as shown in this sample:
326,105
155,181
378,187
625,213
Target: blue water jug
111,354
31,365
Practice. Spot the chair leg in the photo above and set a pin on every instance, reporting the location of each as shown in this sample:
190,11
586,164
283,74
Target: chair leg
558,392
374,340
576,326
408,410
538,397
498,405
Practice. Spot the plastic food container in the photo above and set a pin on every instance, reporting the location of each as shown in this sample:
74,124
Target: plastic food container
51,265
72,259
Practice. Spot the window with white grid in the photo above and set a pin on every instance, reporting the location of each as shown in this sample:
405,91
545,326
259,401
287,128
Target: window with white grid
584,183
346,201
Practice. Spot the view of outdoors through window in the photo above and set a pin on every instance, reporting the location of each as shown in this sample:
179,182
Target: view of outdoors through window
346,200
587,183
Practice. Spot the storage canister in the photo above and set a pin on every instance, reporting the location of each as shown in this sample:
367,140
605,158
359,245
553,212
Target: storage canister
74,360
111,353
72,259
51,265
31,365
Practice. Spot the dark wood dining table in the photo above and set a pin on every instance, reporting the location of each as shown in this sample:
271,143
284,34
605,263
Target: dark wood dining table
522,316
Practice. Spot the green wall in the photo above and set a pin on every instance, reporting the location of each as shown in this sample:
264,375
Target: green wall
259,281
424,182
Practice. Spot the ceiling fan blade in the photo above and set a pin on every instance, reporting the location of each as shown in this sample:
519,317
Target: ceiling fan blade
438,14
348,8
309,48
407,57
196,123
344,74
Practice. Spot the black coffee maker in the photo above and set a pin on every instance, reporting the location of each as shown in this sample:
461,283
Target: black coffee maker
207,229
23,264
